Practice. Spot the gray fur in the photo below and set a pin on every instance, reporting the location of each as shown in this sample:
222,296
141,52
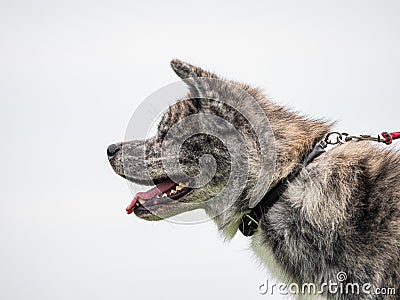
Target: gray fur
342,213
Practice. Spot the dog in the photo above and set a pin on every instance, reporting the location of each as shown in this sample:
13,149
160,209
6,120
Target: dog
339,212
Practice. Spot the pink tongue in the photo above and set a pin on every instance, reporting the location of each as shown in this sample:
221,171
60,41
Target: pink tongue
157,190
131,207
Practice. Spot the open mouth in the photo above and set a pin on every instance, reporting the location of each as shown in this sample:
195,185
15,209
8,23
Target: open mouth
161,195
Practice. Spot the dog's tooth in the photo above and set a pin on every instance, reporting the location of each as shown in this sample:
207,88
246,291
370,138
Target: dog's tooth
179,187
164,195
173,192
158,196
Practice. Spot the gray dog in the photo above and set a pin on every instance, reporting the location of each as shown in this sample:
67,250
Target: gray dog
324,213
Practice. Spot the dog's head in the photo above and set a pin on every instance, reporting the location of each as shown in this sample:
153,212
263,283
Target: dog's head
215,144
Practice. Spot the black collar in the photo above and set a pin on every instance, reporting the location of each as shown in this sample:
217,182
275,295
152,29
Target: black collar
250,221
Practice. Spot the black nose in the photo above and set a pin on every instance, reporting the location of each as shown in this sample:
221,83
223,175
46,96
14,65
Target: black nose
112,150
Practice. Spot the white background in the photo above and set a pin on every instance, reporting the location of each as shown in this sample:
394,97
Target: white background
71,75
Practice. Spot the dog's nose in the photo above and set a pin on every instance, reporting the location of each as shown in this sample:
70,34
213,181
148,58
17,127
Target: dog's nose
112,150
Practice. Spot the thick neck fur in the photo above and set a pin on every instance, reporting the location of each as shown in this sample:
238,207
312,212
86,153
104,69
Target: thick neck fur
294,135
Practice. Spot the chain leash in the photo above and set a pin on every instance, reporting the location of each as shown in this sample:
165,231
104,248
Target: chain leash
335,138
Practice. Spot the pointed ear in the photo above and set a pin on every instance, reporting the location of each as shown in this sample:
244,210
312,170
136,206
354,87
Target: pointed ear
186,71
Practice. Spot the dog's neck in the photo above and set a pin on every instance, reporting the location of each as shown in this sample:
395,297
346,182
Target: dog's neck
294,136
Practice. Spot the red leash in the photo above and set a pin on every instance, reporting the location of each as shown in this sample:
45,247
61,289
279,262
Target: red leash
390,136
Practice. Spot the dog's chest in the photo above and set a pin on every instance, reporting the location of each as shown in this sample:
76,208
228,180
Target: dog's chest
265,255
